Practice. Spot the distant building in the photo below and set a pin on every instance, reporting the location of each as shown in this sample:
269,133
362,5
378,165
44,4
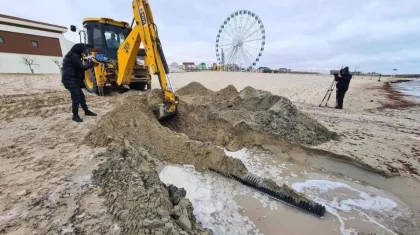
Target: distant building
264,70
203,66
285,70
188,65
233,67
175,65
41,43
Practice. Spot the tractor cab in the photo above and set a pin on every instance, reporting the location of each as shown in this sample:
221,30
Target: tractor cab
105,36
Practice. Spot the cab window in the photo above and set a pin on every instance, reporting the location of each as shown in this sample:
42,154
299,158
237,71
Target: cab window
113,40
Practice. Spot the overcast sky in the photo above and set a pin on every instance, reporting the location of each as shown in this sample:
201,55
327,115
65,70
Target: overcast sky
300,34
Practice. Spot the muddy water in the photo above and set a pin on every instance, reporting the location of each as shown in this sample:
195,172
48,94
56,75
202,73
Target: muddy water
281,219
228,207
359,207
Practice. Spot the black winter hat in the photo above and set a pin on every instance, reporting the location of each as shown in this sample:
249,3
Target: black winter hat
78,48
344,71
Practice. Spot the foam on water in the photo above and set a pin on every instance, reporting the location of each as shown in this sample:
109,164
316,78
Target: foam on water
367,201
257,165
317,189
212,199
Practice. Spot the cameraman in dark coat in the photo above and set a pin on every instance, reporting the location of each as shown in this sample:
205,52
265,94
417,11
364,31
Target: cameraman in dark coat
72,77
343,81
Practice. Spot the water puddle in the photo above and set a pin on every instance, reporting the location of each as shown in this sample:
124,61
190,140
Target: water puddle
227,207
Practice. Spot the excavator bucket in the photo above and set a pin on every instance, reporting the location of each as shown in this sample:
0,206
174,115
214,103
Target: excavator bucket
163,112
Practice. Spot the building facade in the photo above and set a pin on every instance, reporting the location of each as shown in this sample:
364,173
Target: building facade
28,46
188,66
285,70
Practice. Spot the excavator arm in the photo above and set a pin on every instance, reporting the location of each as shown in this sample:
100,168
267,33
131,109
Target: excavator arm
145,31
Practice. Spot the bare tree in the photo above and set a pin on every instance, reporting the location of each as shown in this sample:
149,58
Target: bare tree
29,62
58,63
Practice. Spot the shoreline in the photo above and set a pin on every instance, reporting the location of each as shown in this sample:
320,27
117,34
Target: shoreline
399,100
377,128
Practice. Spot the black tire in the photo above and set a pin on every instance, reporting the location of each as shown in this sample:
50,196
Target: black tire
140,86
94,89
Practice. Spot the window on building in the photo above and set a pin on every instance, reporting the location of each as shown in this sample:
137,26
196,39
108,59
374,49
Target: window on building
1,40
34,43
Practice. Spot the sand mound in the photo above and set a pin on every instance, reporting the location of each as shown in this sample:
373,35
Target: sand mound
135,123
219,115
226,93
154,97
249,92
194,89
137,199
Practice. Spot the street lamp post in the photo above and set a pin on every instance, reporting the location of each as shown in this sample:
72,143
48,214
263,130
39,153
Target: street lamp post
394,71
356,69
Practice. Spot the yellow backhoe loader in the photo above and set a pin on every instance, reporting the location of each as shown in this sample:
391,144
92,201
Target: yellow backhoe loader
122,63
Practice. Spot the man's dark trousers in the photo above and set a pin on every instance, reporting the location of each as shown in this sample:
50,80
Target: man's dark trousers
77,98
340,98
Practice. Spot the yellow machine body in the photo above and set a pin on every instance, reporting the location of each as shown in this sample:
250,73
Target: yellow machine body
116,45
104,76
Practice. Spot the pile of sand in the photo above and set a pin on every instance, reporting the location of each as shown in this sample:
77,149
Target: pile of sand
133,122
205,121
138,201
254,110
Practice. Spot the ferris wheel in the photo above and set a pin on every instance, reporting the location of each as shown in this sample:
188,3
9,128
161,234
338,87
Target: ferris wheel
240,41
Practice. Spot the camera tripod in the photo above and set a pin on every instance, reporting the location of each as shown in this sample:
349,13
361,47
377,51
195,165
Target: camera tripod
329,92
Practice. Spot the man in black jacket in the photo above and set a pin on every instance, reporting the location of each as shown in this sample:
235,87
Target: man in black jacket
343,81
72,77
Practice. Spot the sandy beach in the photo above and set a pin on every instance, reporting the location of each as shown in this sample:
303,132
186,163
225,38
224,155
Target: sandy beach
46,172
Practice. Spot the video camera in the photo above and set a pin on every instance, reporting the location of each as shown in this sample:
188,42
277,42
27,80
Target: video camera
341,72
